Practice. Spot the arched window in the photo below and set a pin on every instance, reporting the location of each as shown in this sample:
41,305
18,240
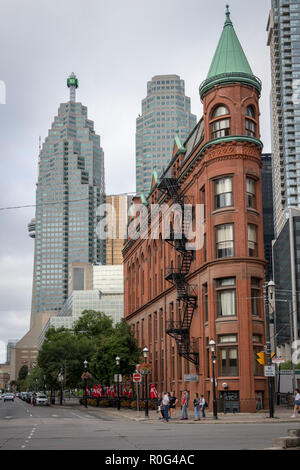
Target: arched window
220,122
250,123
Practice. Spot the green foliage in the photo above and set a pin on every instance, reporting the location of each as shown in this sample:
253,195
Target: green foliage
288,366
120,342
95,339
62,351
23,372
93,325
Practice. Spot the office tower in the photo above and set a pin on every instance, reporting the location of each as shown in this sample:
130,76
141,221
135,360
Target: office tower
116,215
284,41
178,297
287,283
10,344
268,219
70,188
165,110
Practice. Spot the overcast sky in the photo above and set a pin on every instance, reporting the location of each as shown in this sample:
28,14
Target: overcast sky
114,47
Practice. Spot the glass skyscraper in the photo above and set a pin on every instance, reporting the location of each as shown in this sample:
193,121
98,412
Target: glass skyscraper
284,41
70,187
165,110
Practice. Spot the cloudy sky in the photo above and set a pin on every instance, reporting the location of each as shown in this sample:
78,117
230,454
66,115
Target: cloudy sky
114,47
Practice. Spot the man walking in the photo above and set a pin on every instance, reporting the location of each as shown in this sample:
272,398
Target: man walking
185,403
165,403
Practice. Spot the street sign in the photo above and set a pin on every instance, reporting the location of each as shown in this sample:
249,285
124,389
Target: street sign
118,378
137,377
191,378
269,371
278,360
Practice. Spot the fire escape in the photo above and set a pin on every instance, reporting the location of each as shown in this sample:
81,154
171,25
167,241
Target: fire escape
186,293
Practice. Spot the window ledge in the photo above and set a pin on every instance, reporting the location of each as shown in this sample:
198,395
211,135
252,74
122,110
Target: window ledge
229,318
223,209
254,211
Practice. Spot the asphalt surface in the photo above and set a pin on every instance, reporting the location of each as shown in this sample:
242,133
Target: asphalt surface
24,427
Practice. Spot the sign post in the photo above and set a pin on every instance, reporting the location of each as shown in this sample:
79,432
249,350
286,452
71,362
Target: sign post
137,378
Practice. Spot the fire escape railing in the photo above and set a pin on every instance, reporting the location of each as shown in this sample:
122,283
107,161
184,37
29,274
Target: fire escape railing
186,294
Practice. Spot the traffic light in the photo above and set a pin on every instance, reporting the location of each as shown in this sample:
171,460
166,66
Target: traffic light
261,358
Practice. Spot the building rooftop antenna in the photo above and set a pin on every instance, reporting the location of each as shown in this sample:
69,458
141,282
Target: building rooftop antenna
72,83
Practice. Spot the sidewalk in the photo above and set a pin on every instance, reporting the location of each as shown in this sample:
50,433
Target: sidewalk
281,415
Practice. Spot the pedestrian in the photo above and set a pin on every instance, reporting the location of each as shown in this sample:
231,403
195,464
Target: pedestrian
297,402
160,407
165,403
203,405
196,404
172,405
185,404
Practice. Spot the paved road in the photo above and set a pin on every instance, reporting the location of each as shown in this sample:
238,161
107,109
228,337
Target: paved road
46,428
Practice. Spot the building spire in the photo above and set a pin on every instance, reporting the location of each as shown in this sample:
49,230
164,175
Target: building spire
72,83
229,62
228,20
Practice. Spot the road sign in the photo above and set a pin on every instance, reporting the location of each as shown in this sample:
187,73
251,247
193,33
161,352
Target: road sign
137,377
269,371
118,378
278,360
261,357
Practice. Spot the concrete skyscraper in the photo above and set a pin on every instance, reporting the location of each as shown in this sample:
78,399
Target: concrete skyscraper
165,110
284,41
70,187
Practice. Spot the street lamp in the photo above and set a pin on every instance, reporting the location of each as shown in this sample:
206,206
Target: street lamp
60,379
118,380
212,345
145,354
85,364
267,286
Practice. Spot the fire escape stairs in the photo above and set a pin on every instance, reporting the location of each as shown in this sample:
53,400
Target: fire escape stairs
186,294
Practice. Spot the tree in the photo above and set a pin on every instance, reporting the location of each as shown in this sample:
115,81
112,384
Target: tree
21,382
62,351
23,372
93,324
120,342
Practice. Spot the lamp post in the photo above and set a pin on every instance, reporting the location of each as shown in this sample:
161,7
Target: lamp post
85,364
60,379
212,345
118,380
268,346
145,354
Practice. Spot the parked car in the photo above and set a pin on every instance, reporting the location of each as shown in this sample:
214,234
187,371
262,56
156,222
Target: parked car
40,399
23,396
8,397
28,397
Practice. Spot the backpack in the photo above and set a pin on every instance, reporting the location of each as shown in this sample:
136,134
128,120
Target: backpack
206,404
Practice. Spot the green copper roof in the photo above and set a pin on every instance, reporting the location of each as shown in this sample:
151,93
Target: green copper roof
229,63
178,142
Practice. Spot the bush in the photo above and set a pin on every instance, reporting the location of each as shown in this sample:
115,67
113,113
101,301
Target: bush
104,403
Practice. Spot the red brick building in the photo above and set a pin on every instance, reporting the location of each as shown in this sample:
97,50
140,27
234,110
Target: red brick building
177,299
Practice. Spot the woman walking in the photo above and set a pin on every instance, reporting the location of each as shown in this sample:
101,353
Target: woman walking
197,407
297,402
